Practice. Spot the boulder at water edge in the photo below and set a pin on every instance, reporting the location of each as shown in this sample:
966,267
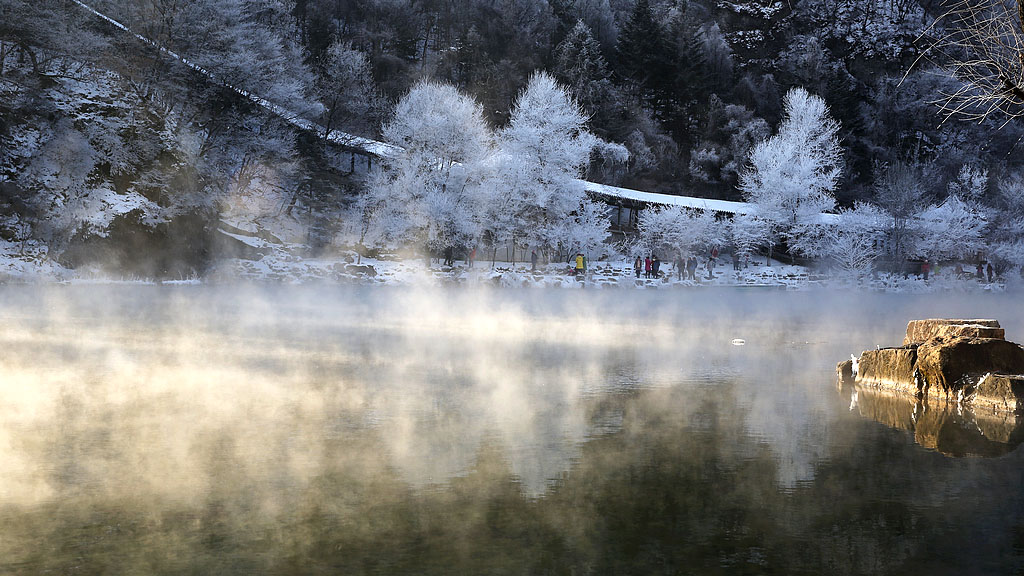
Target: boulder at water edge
965,361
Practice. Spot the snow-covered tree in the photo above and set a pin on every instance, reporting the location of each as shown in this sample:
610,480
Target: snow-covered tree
431,195
900,193
1007,226
344,86
748,233
538,197
970,184
671,230
952,229
792,175
854,240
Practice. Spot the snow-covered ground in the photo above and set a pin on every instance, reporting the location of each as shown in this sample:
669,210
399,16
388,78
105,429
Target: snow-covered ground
349,268
285,263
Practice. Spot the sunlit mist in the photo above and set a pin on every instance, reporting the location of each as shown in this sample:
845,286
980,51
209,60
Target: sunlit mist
296,418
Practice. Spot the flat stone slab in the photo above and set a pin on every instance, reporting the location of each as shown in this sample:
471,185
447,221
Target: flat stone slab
919,331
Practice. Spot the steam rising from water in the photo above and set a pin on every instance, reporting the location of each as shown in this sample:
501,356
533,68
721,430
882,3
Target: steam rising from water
259,402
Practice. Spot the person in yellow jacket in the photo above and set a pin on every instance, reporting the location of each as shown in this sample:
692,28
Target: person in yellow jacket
581,264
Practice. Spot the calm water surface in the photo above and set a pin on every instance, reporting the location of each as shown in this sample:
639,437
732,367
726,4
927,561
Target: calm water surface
217,430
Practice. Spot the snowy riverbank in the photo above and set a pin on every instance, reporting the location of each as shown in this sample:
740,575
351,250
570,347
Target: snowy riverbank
29,266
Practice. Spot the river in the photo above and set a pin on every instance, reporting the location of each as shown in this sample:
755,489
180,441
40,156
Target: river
356,430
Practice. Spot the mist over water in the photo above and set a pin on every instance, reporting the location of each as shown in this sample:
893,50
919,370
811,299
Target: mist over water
155,429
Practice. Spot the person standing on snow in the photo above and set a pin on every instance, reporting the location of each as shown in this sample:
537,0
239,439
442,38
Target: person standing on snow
533,260
638,266
647,267
580,264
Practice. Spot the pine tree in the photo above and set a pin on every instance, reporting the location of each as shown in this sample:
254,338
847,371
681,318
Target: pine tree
645,60
580,65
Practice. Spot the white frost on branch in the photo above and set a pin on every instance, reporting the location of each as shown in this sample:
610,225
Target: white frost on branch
792,175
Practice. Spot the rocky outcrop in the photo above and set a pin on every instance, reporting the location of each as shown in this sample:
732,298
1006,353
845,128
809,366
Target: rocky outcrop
947,366
959,361
361,270
1000,393
887,365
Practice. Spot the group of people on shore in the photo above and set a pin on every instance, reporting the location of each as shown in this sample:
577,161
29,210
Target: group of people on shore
981,271
650,267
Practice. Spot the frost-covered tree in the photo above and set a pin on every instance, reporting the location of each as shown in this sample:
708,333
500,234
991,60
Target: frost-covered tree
581,67
748,233
980,42
882,29
672,230
48,34
539,199
431,195
970,184
854,240
71,198
234,40
729,135
900,193
952,229
792,175
344,87
1006,233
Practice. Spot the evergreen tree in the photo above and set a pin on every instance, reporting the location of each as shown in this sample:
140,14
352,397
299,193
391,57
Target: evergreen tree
645,60
581,67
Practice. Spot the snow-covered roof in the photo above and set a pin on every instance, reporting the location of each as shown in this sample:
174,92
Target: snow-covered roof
721,206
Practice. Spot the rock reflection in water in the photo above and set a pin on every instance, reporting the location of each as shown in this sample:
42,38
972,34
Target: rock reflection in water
942,426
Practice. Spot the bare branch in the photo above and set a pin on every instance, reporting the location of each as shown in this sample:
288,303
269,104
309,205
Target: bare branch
981,44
